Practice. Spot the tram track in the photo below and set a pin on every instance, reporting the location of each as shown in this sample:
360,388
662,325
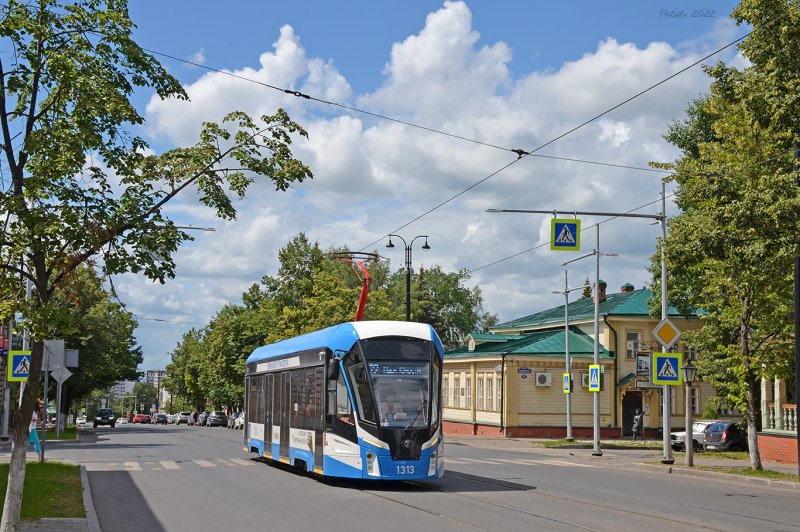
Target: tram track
672,521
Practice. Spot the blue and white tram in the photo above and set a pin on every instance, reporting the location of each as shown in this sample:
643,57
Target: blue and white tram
358,400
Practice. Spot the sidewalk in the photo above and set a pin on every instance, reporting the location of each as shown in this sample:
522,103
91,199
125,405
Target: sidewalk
89,523
646,455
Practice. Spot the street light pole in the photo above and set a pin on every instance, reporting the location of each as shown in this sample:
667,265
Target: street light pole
407,247
596,359
689,373
567,361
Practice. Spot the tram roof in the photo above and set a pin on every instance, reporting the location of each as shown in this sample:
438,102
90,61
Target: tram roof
343,336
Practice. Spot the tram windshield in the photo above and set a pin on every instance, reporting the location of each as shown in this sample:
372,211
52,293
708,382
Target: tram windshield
400,375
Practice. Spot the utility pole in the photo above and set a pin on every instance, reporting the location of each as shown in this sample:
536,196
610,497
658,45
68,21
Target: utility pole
661,217
797,318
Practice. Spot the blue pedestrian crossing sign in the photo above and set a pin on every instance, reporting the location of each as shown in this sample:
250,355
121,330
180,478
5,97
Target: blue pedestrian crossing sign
567,383
565,234
666,369
594,377
19,365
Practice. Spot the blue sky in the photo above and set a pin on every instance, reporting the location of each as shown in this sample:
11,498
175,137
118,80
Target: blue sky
513,74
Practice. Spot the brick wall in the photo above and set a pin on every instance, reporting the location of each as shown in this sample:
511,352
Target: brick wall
778,447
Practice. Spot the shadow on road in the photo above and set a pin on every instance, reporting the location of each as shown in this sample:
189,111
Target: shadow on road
119,503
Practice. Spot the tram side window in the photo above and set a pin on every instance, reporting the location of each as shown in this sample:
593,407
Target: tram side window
360,381
340,411
255,407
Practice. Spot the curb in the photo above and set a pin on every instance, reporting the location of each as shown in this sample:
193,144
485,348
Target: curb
88,502
766,482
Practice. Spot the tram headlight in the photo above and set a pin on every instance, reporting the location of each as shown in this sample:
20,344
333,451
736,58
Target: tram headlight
432,465
372,465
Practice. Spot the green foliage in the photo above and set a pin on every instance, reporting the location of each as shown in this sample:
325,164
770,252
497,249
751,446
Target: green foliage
731,248
311,292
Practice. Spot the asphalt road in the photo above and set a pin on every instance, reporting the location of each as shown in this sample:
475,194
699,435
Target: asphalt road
183,478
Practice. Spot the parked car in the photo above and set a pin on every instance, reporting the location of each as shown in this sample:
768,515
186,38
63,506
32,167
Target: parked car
183,417
240,421
80,421
217,418
104,416
122,420
139,418
201,419
170,418
160,419
724,436
232,419
147,418
678,439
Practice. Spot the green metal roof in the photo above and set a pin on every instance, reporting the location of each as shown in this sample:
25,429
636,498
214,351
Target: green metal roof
626,379
495,337
545,343
633,303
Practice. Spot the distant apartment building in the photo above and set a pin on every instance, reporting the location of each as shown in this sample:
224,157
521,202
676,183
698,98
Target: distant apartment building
122,388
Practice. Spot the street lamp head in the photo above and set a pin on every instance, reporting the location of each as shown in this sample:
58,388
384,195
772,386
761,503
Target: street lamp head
390,245
425,246
689,372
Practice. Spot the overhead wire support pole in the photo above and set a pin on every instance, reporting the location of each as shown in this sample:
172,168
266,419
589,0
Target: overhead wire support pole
661,217
567,359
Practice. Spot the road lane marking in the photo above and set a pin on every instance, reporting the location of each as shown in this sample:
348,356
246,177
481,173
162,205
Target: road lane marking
169,464
204,463
241,461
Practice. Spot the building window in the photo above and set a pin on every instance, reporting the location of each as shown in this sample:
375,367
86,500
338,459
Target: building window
489,392
456,390
446,390
689,353
499,393
468,397
632,344
695,400
480,392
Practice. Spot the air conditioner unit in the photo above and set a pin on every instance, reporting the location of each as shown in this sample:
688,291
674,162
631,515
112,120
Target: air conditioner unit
584,380
544,379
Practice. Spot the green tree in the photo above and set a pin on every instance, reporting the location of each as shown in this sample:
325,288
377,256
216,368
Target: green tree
730,250
453,309
66,77
184,373
145,396
102,331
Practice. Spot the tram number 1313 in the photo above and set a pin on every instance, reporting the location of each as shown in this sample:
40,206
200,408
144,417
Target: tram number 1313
405,470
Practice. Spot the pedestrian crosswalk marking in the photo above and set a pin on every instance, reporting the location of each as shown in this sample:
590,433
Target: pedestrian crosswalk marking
241,461
204,463
132,466
169,464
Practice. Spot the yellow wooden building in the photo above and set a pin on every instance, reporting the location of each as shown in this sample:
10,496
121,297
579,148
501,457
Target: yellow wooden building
510,381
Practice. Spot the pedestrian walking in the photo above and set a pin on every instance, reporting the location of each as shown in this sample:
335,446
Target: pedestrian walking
33,435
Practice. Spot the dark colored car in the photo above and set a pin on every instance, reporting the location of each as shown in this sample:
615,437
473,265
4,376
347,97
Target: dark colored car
724,436
104,416
217,418
160,419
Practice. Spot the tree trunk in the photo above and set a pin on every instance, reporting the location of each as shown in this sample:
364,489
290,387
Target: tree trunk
753,403
16,470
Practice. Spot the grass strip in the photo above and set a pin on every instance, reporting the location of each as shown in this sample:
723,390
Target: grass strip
52,489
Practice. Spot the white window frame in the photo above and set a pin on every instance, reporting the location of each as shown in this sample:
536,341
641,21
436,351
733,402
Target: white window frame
468,390
489,391
480,392
630,354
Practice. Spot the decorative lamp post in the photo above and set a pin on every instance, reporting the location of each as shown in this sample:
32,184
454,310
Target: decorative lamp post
689,374
408,245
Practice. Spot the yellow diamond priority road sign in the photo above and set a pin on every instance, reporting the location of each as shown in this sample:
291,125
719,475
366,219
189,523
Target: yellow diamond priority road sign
666,333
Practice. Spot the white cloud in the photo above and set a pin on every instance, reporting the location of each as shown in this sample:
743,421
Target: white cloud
199,57
373,176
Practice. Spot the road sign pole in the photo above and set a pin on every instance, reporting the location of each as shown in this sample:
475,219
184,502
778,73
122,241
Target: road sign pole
665,407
